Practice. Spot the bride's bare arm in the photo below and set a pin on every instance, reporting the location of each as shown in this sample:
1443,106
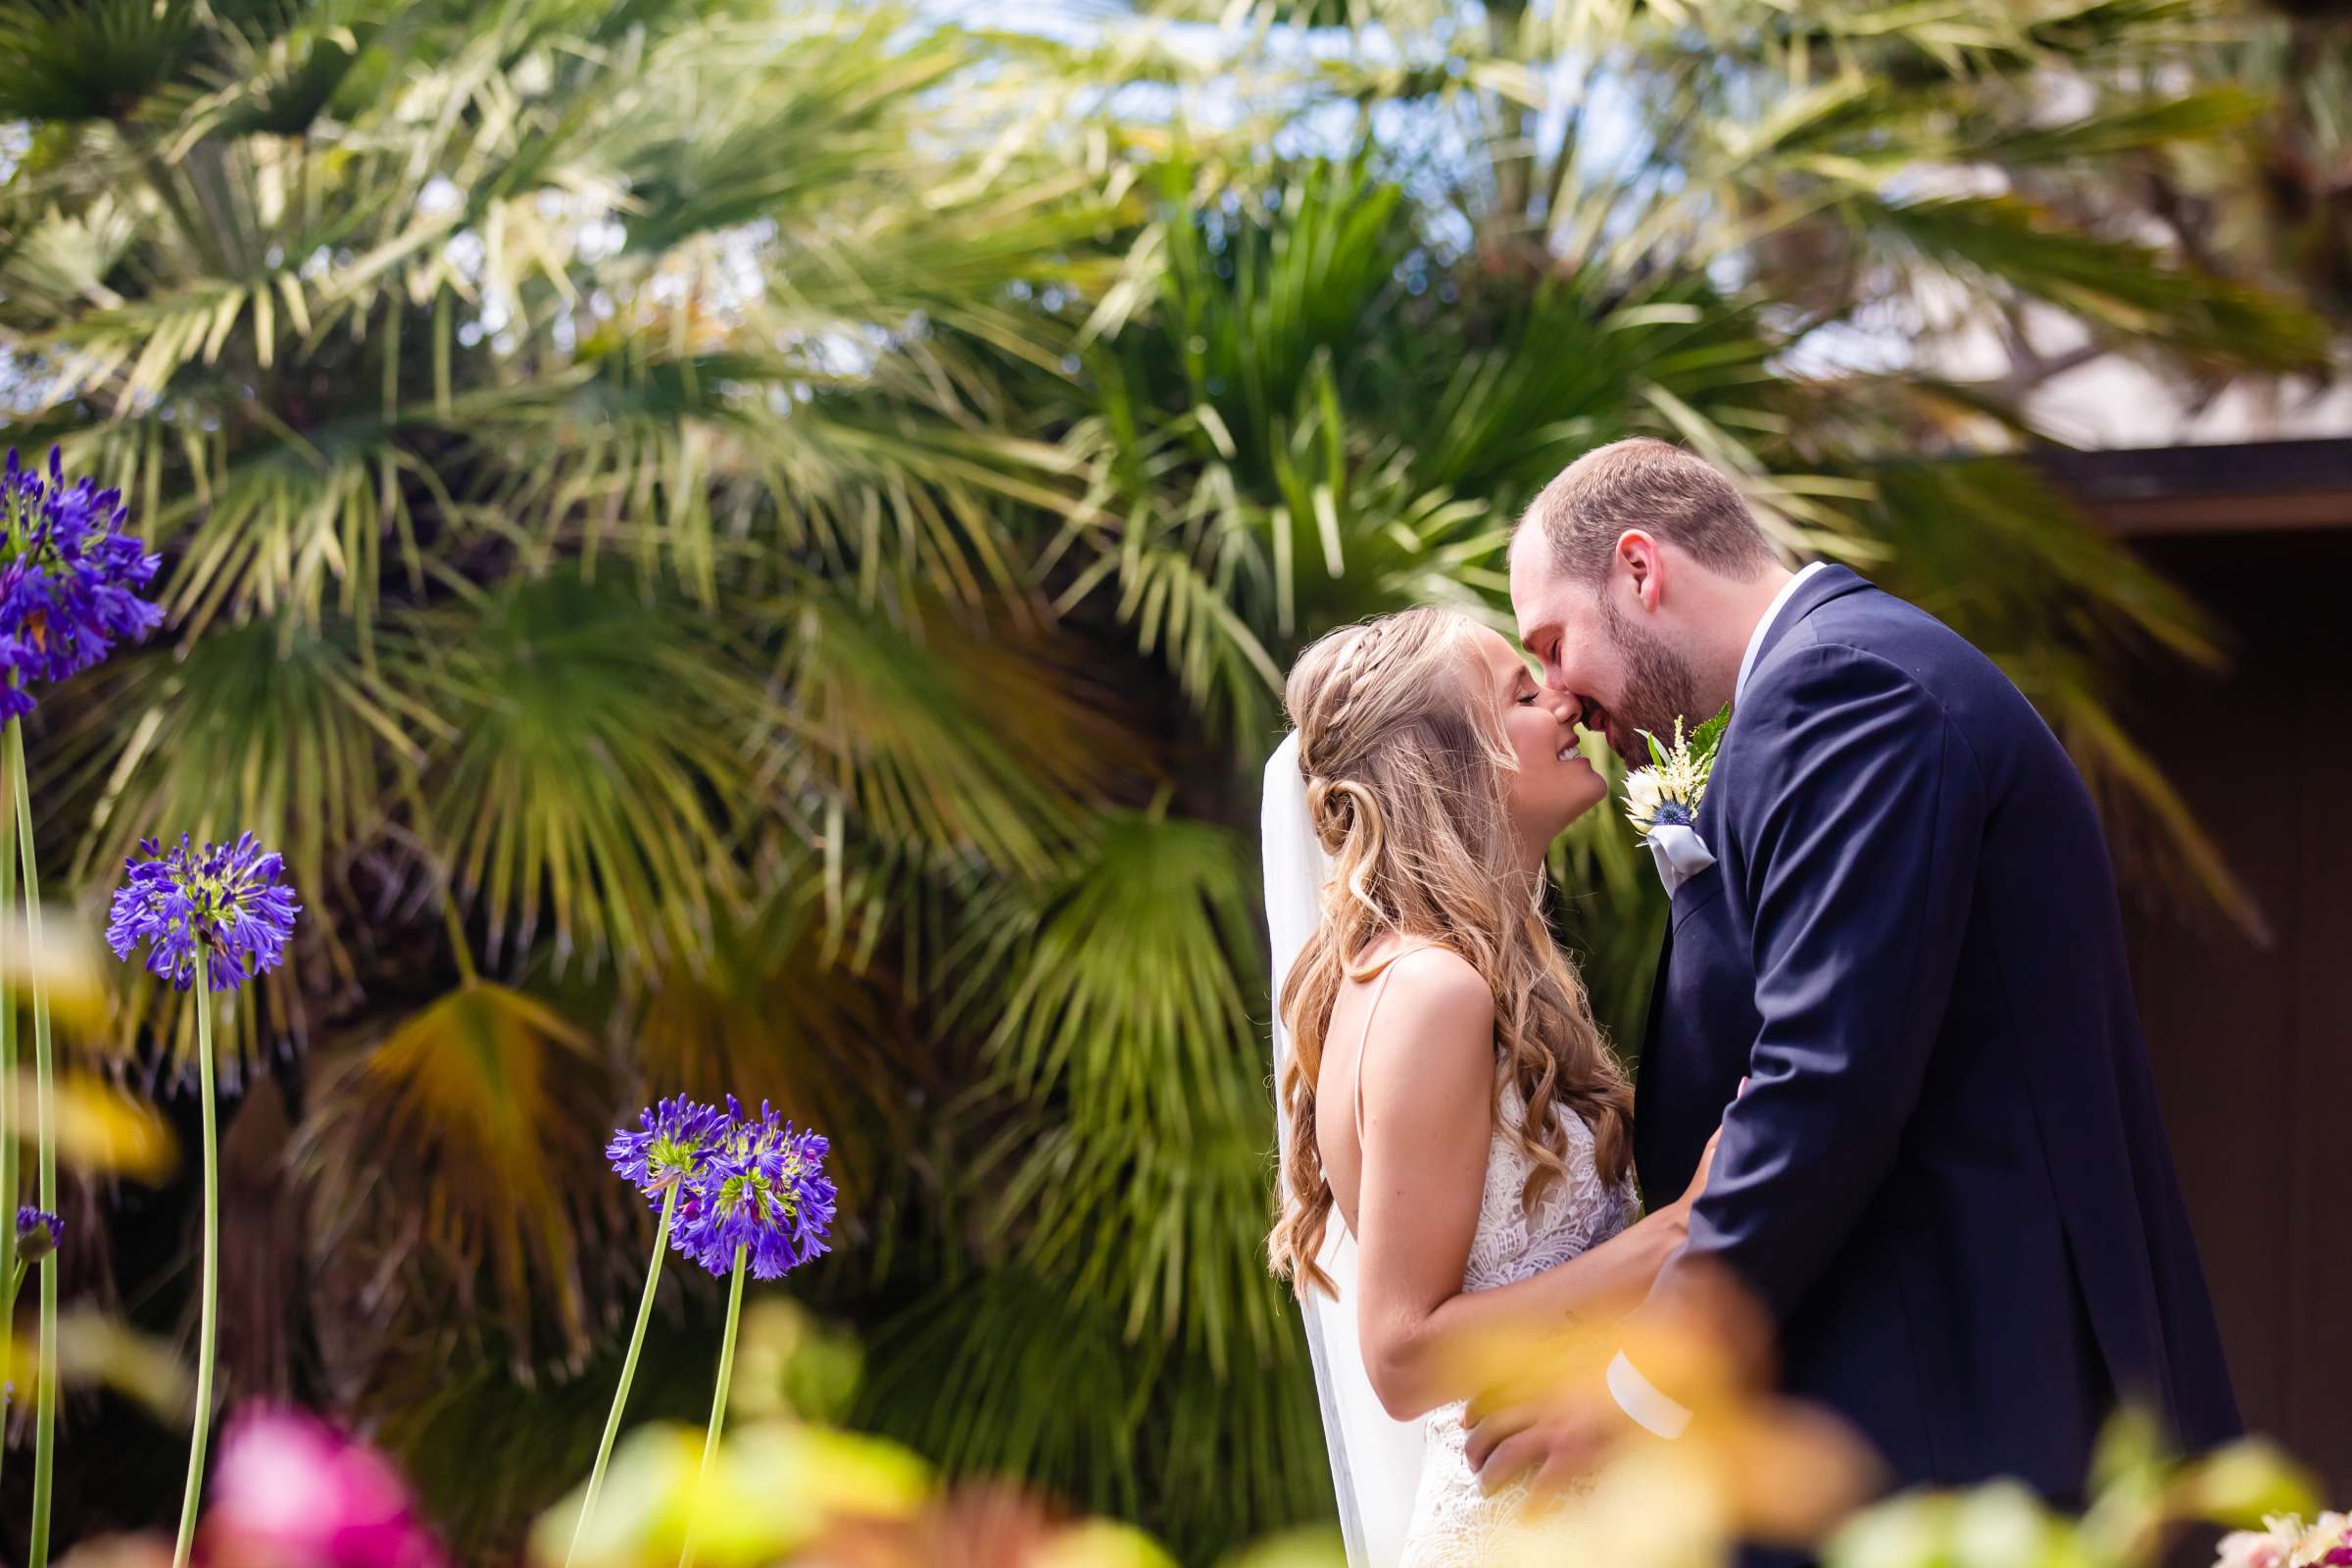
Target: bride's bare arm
1427,1086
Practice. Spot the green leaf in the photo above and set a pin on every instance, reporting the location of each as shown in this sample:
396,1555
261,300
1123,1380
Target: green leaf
1708,736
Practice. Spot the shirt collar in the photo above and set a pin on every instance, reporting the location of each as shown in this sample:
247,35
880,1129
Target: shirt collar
1772,613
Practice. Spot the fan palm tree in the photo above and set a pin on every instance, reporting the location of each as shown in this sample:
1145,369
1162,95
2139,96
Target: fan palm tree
751,549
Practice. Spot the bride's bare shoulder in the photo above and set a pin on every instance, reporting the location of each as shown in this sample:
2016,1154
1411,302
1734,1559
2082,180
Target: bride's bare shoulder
1437,1020
1432,975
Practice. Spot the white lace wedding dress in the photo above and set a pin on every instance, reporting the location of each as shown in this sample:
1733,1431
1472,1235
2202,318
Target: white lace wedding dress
1453,1522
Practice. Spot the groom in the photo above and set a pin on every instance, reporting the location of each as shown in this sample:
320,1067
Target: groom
1947,1181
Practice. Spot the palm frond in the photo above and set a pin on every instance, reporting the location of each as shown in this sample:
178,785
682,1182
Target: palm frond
2127,127
2117,286
1123,984
456,1163
939,740
956,1376
775,1013
1125,1011
268,727
597,756
1251,303
83,60
1170,1230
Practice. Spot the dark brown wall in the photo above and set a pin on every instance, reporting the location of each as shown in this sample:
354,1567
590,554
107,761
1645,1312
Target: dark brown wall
2253,1045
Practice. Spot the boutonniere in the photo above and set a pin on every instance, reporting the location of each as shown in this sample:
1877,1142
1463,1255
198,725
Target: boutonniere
1663,800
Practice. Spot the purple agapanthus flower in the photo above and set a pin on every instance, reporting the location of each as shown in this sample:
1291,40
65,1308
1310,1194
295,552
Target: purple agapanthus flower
669,1145
230,900
765,1189
39,1233
71,580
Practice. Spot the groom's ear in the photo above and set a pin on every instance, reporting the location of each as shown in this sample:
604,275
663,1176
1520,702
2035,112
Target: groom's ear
1636,568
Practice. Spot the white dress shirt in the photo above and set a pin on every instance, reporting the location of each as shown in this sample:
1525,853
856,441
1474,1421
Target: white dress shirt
1771,613
1635,1394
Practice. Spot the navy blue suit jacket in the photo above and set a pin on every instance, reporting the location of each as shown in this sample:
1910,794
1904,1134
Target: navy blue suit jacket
1947,1181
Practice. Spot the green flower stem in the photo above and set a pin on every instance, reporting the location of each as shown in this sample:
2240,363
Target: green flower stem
719,1398
8,1318
207,1327
45,1093
628,1372
7,1128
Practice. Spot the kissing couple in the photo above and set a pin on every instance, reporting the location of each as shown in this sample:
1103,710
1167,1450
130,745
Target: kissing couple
1894,1084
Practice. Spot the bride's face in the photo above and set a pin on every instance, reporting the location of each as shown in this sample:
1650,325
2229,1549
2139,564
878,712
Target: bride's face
1553,784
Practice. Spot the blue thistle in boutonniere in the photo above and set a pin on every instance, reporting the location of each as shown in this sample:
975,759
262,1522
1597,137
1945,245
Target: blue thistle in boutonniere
1667,793
1663,799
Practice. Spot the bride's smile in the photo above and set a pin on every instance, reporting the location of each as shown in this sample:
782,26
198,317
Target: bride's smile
1553,783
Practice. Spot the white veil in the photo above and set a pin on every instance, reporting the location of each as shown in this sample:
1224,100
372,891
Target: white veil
1375,1459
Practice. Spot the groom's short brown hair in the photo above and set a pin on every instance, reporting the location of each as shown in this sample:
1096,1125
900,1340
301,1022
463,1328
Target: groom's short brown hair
1654,486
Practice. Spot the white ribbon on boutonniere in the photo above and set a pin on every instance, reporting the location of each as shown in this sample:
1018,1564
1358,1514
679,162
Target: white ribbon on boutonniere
1663,800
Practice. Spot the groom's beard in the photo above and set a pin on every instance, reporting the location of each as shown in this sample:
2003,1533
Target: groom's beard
1660,687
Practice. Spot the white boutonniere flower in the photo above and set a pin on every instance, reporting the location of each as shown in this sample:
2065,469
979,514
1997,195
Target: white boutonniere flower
1663,800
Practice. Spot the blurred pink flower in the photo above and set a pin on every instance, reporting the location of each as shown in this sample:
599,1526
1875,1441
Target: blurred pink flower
291,1491
2244,1548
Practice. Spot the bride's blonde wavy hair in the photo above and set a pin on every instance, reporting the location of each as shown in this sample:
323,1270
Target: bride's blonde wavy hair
1408,770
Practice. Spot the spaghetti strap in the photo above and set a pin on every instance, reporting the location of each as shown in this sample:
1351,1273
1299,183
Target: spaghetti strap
1379,988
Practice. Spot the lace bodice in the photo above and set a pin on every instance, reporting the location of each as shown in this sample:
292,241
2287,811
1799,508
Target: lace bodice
1512,1244
1454,1522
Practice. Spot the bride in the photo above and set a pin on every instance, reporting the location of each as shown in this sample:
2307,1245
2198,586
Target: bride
1444,1090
